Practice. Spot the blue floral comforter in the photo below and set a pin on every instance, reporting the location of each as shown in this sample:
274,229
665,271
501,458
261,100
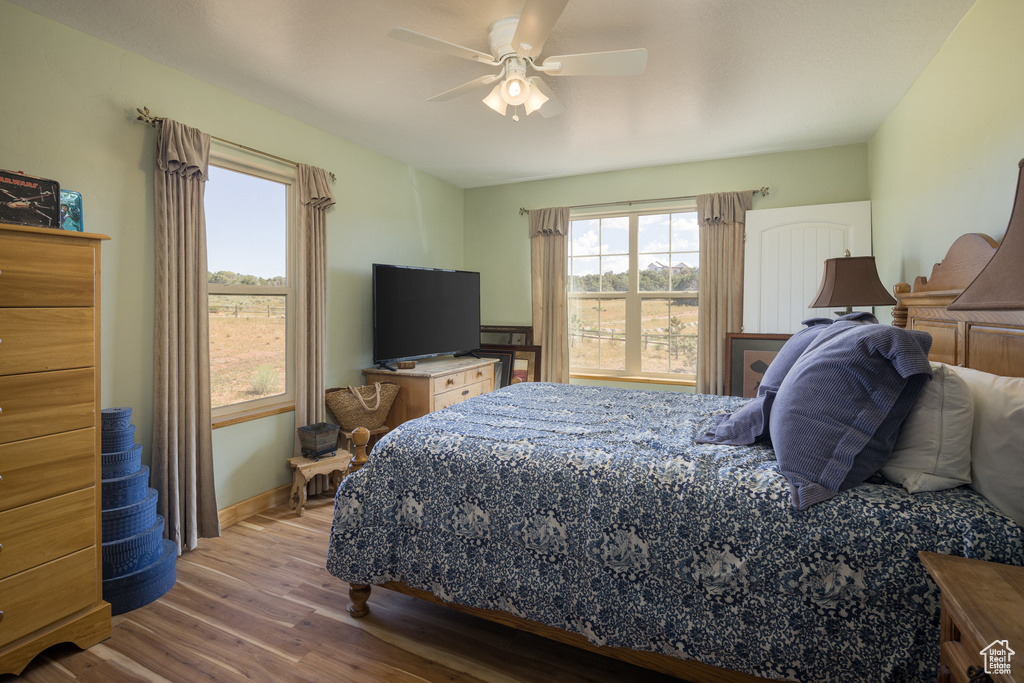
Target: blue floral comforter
592,509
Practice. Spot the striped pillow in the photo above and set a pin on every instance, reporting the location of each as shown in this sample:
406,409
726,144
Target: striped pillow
837,415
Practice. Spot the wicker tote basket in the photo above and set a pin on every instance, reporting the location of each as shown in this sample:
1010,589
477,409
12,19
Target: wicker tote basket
363,406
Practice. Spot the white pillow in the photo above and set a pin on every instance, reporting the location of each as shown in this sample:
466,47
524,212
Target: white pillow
933,451
997,446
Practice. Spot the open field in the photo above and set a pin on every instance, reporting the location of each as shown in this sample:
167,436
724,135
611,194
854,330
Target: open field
247,348
668,339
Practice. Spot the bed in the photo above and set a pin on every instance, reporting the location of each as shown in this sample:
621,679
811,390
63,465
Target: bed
592,516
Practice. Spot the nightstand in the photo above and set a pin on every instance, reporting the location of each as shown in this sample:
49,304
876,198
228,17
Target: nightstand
982,616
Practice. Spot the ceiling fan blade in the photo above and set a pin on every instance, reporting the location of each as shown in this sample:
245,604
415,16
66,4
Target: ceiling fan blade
554,106
465,88
413,38
535,23
614,63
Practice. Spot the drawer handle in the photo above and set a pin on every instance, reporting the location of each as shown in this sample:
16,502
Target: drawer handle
465,392
451,380
479,373
977,673
1,615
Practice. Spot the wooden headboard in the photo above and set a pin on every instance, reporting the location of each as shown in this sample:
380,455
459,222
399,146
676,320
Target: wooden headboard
987,340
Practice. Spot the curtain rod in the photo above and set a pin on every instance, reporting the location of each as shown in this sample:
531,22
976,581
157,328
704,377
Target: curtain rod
763,192
146,117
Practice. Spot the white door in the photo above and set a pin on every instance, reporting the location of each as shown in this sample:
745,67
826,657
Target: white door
784,258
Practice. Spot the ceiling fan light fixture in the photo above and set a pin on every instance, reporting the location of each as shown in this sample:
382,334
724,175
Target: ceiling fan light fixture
495,100
515,90
536,98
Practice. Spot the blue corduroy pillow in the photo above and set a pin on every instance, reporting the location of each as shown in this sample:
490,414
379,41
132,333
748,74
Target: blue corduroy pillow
837,415
790,352
745,426
750,423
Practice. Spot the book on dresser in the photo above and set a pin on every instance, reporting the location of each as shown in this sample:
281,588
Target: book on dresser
433,384
50,534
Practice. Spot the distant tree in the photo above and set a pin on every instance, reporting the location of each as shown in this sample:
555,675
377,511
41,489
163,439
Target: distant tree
227,277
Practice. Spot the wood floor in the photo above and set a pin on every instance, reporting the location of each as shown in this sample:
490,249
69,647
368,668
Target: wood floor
258,605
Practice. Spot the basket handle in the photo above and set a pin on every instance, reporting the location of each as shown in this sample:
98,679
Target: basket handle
359,397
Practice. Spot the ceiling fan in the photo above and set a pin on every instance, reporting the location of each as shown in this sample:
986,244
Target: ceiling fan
515,44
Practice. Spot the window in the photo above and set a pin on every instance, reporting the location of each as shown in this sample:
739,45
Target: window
249,203
633,295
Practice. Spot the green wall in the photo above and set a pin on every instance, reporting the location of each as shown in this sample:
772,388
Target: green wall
496,235
68,113
945,160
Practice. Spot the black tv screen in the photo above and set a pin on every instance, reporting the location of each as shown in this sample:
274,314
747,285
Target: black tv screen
422,312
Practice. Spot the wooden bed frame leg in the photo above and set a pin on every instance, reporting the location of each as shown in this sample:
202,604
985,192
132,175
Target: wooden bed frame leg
360,436
358,593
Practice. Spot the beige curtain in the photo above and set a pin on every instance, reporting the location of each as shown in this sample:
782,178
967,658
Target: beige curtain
549,229
315,197
721,219
182,454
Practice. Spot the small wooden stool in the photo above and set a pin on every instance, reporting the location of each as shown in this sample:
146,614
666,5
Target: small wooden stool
304,469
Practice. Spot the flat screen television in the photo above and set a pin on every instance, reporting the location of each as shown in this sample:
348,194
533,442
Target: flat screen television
423,312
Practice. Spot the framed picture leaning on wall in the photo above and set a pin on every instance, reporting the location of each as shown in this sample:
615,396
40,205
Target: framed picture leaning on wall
747,356
506,335
503,369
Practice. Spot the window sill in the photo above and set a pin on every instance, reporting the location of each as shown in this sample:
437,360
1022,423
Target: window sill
634,378
252,414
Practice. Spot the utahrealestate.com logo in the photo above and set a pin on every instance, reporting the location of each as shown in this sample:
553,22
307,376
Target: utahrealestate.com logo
997,657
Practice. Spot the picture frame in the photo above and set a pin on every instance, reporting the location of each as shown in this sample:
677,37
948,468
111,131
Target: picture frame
503,369
506,335
747,356
525,364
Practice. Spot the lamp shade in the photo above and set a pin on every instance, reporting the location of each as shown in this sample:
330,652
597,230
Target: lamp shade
851,281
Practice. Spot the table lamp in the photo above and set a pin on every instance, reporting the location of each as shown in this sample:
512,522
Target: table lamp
851,281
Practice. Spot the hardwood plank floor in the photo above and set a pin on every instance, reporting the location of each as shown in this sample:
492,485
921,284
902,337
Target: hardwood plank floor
258,605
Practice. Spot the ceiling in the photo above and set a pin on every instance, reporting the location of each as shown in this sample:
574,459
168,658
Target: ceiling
724,77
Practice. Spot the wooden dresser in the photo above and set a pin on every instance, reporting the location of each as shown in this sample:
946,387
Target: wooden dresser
982,618
433,384
51,574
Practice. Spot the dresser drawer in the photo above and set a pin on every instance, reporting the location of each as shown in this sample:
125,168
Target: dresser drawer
955,657
46,403
35,598
481,374
455,380
41,339
35,534
452,380
449,398
38,274
35,469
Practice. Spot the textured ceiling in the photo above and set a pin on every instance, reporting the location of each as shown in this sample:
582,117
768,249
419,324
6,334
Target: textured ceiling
724,77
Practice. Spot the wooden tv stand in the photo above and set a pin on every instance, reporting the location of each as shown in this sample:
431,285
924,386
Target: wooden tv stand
433,384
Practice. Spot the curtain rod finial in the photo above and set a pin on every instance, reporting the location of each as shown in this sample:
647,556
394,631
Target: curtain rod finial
522,211
763,192
144,115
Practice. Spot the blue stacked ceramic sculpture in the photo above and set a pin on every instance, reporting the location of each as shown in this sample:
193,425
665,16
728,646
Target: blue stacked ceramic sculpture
138,563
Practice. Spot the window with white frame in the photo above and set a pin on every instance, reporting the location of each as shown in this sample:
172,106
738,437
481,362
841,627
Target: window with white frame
250,237
633,294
